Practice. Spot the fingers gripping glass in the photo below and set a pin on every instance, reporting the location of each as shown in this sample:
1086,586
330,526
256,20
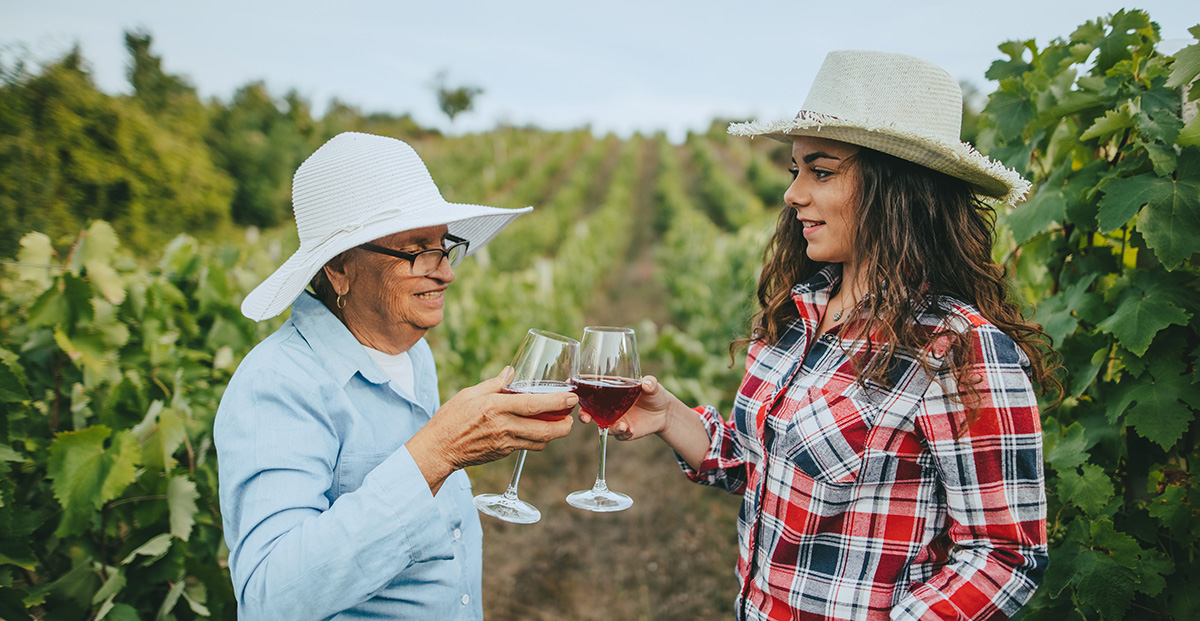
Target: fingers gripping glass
427,261
545,362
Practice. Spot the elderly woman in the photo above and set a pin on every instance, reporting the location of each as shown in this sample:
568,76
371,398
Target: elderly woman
341,482
885,437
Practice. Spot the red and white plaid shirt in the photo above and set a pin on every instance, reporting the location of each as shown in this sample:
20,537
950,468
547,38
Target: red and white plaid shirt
877,502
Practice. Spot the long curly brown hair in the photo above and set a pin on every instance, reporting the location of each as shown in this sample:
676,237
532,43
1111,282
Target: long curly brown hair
920,235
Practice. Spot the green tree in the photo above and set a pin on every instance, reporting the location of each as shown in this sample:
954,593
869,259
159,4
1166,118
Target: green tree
1105,247
454,100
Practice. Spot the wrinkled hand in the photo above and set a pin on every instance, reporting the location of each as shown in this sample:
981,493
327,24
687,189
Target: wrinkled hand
481,424
648,414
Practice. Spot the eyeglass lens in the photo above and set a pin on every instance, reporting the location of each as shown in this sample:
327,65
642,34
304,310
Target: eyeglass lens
428,261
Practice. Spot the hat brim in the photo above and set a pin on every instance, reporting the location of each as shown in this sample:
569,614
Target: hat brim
958,159
477,224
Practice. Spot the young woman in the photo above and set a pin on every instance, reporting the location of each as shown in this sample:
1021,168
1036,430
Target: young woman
886,436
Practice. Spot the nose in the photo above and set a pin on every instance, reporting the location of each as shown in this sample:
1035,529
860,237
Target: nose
444,272
797,194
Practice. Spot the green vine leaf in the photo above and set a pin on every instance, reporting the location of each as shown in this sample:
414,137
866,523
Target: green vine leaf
1159,412
1171,220
181,501
1187,63
1091,491
1142,309
1056,312
85,474
1112,122
1066,451
1174,509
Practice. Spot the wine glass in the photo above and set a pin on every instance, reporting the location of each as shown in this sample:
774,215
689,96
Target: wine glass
545,362
608,384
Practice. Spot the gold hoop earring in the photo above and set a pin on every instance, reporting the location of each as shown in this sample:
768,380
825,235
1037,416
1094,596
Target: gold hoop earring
341,302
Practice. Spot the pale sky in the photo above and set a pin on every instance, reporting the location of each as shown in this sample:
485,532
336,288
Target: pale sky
617,65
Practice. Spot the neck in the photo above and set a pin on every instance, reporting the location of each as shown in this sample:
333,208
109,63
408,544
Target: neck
376,334
853,286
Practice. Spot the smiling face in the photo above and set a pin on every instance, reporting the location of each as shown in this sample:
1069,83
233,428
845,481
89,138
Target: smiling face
823,195
386,307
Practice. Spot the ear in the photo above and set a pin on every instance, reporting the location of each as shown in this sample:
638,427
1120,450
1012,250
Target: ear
338,271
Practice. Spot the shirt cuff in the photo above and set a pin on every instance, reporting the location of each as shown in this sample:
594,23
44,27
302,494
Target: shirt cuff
712,425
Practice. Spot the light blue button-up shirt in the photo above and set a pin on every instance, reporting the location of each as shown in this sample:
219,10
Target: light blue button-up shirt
326,514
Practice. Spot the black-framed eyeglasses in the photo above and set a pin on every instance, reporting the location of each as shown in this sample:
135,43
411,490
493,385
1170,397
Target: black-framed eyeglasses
427,261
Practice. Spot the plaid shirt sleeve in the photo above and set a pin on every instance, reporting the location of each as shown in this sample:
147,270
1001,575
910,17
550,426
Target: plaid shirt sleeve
724,465
993,481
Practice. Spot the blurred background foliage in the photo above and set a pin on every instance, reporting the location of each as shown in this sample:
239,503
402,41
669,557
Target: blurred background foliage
133,225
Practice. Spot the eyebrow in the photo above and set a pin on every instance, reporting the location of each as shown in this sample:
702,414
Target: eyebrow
808,159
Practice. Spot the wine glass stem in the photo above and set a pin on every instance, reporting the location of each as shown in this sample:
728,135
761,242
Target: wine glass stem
511,492
601,485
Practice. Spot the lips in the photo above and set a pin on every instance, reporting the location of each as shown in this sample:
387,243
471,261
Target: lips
429,295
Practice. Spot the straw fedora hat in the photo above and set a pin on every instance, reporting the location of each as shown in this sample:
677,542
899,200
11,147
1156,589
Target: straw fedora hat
357,188
900,105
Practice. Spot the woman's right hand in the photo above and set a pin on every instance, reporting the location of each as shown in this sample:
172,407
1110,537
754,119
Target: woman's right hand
648,415
657,411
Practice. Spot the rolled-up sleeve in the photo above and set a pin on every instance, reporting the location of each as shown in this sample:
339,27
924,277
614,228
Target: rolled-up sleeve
293,553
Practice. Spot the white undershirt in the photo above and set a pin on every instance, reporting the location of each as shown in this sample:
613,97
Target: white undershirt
399,367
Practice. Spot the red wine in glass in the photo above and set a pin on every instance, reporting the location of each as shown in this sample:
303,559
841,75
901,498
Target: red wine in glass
544,363
606,399
542,386
608,383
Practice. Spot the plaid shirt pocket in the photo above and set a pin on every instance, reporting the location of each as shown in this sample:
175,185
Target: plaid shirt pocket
828,438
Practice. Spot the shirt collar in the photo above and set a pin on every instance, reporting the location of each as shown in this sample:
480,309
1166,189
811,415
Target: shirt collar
339,352
812,296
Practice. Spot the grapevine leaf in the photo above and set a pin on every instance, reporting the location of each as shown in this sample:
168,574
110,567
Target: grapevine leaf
12,604
181,500
1171,221
1013,67
1174,510
1043,210
84,475
1189,136
1124,197
1012,108
1084,355
1066,452
163,430
12,388
1159,412
171,599
1162,157
1107,571
1161,126
1186,66
1112,122
1055,312
155,548
35,258
112,586
122,612
1153,571
1139,314
1090,491
1126,31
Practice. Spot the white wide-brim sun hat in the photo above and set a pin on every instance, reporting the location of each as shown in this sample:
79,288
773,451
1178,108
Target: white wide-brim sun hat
357,188
900,105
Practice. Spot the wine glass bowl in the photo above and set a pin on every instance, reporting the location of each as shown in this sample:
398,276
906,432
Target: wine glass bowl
545,362
608,383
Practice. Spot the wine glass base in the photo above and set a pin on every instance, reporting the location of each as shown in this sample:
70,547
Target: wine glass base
512,510
601,501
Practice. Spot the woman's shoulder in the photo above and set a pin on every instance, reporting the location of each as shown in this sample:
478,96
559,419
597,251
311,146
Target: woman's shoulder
951,316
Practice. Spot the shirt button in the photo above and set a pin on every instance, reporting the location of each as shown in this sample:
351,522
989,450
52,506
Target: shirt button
465,599
458,533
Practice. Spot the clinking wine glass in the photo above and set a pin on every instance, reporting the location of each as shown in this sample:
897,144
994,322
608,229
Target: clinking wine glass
545,362
608,384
